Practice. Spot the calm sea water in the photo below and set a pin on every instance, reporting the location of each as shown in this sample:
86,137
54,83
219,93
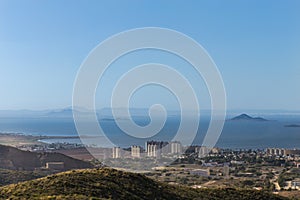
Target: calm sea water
236,134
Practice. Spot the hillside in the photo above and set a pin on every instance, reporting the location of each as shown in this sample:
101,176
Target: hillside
15,159
15,176
112,184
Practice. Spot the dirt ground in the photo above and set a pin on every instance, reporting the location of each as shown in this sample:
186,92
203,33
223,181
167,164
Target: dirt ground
18,139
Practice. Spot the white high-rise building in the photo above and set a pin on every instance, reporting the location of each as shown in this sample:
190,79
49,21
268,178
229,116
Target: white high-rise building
226,171
116,152
156,148
135,151
203,151
152,150
176,147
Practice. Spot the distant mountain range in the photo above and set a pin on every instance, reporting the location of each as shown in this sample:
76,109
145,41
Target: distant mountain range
104,113
245,117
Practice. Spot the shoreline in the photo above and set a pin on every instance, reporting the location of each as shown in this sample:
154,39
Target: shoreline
18,139
23,139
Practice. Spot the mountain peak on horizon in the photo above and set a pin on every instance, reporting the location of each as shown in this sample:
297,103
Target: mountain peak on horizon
248,118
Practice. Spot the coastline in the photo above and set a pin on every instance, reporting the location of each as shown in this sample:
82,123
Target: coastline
19,139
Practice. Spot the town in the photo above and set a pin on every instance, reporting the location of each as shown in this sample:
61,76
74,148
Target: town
272,169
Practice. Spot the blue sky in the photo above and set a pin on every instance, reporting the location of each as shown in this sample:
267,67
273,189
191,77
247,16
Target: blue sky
255,44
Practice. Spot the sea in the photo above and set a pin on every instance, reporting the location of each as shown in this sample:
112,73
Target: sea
236,134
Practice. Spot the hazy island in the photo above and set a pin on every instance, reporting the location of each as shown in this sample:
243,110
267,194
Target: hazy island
292,125
245,117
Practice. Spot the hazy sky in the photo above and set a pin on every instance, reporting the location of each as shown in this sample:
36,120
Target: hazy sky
255,44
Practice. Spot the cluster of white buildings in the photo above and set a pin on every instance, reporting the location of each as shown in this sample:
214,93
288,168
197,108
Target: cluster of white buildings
153,149
282,152
157,149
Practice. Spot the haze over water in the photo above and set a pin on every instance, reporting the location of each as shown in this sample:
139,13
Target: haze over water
235,135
